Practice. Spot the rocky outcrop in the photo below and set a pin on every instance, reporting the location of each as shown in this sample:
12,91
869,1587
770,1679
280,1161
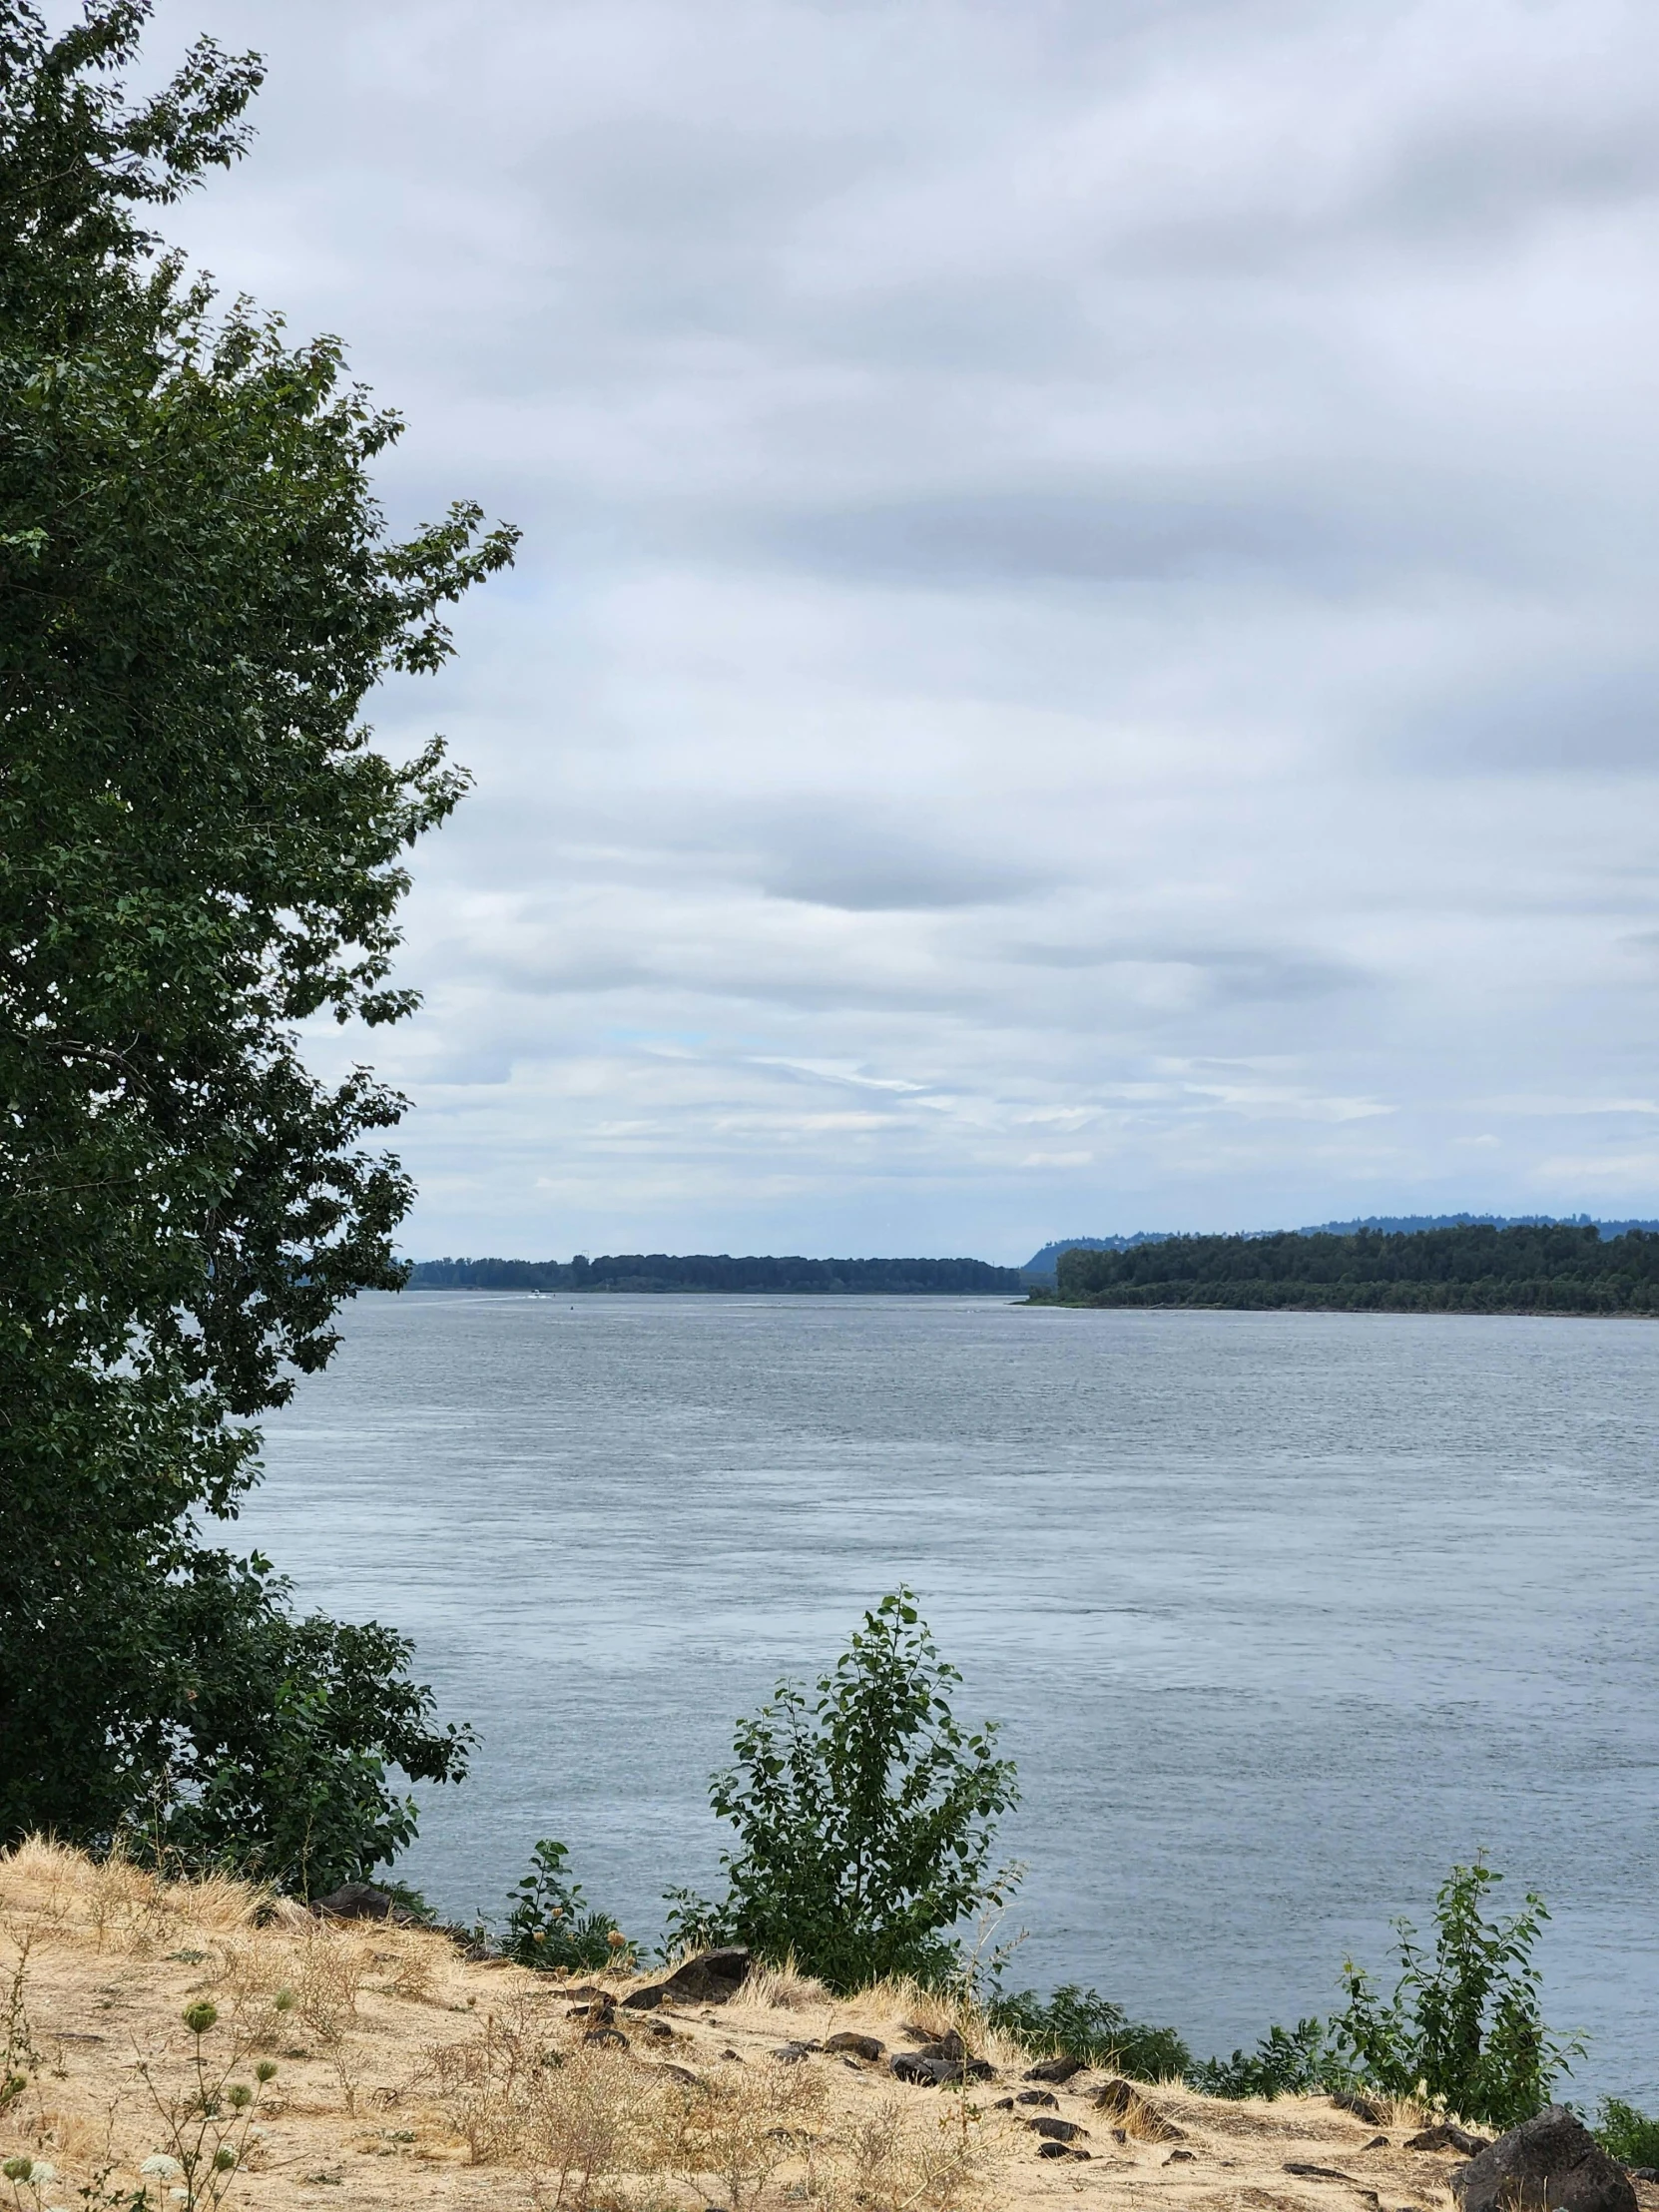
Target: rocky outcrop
712,1978
1550,2163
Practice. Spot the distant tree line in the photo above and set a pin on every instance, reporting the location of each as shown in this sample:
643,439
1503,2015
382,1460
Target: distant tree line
1559,1268
699,1271
1044,1261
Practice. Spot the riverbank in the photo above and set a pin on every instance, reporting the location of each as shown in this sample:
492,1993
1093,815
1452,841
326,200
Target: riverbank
404,2073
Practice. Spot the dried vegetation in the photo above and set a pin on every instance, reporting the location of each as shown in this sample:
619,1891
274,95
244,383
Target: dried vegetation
398,2073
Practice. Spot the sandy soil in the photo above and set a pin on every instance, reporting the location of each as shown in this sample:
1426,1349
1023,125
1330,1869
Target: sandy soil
407,2076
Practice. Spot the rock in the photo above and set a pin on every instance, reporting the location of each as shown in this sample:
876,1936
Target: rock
930,2069
1180,2157
613,2035
1644,2173
1377,2143
661,2030
1121,2100
1551,2160
1061,2150
1035,2096
791,2054
858,2046
357,1900
601,2013
1056,2069
1307,2172
917,2067
683,2074
1056,2131
1363,2107
709,1979
1445,2136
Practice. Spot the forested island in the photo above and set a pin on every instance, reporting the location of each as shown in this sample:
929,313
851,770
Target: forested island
1559,1268
701,1270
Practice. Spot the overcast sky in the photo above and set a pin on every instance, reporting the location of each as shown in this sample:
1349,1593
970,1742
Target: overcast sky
1084,652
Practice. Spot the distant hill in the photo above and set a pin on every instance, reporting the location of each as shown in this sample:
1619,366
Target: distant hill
1471,1267
661,1270
1043,1262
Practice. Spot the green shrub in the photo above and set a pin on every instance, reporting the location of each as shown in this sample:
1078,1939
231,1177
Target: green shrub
1627,2134
551,1925
865,1815
1463,2031
1287,2062
1464,2027
1083,2024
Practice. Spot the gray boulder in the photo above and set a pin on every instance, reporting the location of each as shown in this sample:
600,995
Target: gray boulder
711,1980
356,1900
1550,2163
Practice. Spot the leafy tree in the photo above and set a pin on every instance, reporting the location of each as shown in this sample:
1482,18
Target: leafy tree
865,1814
200,848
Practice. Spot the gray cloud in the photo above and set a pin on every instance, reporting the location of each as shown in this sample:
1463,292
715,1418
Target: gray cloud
1083,650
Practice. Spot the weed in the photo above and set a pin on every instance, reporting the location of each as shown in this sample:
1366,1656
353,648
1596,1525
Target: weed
19,2059
552,1927
207,2122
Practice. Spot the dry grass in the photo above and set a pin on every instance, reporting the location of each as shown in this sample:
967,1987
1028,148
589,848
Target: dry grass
937,2013
410,2080
785,1988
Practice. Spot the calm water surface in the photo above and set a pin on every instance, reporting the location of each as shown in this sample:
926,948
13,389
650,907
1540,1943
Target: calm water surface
1280,1612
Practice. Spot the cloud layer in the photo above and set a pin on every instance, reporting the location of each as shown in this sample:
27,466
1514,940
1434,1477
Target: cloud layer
1084,653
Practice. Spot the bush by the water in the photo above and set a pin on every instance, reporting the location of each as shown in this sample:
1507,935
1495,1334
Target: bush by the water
865,1812
1463,2029
1084,2024
1287,2063
552,1927
1627,2134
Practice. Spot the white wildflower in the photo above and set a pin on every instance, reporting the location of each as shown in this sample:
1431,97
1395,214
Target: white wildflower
160,2167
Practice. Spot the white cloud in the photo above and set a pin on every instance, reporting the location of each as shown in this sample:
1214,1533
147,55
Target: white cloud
1089,574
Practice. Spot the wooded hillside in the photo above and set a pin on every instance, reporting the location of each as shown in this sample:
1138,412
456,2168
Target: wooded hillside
1475,1269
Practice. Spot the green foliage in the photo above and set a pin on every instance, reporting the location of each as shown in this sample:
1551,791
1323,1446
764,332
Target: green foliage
1466,2024
1627,2134
282,1753
551,1927
1560,1267
702,1270
1287,2062
199,849
692,1923
865,1814
1463,2031
1082,2024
